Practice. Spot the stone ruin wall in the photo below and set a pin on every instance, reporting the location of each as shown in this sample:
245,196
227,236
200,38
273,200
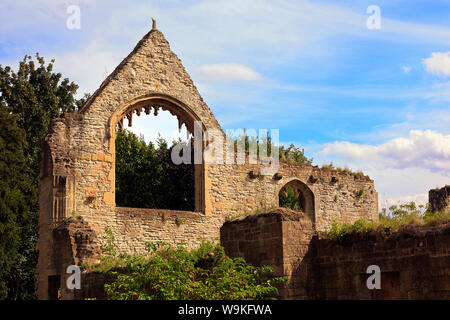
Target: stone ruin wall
78,176
82,144
73,243
276,239
337,196
414,262
138,226
439,199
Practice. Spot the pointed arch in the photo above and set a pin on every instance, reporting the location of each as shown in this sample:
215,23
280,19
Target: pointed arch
304,195
152,104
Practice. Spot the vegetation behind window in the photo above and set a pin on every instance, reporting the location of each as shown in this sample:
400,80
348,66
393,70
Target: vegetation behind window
146,177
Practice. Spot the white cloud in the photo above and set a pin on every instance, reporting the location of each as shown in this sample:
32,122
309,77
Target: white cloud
438,63
396,186
403,168
228,72
87,66
424,149
440,92
165,125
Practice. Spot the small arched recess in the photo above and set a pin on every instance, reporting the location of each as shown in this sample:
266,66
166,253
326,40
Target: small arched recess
303,194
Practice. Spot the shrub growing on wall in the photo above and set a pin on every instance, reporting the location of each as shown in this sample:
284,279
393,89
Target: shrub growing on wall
169,273
407,214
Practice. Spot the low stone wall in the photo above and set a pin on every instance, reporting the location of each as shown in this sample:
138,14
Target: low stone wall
134,227
75,242
92,286
414,263
258,238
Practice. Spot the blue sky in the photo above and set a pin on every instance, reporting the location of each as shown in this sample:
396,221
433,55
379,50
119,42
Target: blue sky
371,99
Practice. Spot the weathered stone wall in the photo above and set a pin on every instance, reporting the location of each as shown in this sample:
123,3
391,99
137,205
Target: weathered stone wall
414,263
80,148
82,144
337,196
78,167
258,238
92,286
139,226
439,199
279,239
73,243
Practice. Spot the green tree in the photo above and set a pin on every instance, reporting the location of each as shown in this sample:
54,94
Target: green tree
34,95
137,171
15,217
292,154
146,177
406,209
37,95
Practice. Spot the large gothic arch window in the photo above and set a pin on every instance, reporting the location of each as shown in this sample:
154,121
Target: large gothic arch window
152,106
298,196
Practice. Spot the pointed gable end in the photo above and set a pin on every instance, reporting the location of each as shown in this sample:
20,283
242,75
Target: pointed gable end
150,71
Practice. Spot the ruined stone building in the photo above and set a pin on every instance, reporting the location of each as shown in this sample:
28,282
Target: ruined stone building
77,177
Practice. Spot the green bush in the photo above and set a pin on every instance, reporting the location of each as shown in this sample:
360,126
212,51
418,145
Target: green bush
289,200
174,273
395,219
340,232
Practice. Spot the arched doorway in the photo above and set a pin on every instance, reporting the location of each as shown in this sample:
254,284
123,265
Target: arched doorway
297,196
152,105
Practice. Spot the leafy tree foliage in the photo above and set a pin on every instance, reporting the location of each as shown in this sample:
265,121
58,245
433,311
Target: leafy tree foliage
292,154
15,217
406,209
146,177
29,99
289,200
169,273
37,95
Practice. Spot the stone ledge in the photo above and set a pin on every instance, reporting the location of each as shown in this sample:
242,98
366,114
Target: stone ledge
281,214
145,212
